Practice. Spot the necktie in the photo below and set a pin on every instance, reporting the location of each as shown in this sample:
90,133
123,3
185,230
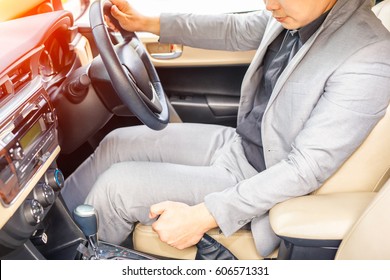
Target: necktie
289,47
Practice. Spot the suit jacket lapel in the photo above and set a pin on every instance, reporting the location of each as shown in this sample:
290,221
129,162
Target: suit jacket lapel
248,85
270,34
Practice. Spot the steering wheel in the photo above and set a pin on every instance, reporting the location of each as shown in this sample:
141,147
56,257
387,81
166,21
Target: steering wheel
131,72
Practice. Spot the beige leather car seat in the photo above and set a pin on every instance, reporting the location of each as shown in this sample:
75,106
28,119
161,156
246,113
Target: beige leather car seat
365,171
362,242
369,238
382,11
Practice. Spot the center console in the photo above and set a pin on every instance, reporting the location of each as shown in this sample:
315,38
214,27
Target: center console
29,179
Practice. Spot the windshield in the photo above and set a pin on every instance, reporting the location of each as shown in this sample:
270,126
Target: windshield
10,9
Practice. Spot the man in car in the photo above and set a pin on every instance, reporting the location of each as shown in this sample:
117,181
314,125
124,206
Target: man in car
318,84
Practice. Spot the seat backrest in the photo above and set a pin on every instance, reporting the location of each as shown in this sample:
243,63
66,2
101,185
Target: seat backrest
369,167
369,238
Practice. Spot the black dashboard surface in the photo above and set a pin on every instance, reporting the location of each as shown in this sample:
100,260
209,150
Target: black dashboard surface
18,37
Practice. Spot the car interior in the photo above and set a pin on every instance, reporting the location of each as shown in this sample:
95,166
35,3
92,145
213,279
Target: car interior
61,93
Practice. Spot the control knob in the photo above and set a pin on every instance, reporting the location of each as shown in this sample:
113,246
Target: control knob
44,194
33,212
54,178
50,117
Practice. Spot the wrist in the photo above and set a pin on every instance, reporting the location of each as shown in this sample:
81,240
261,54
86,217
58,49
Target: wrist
206,220
152,25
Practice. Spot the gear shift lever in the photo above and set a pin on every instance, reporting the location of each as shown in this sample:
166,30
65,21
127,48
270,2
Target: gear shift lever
87,219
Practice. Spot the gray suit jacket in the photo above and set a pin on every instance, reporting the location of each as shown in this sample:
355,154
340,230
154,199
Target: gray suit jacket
330,96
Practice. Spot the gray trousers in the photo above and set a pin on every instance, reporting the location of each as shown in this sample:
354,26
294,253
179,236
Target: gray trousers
136,167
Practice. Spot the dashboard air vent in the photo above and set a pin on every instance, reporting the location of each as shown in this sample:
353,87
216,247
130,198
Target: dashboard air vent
20,76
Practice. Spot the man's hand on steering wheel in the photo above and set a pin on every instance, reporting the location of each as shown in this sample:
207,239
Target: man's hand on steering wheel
131,20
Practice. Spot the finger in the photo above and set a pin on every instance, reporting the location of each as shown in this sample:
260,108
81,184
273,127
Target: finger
109,23
158,209
121,5
116,13
153,215
162,235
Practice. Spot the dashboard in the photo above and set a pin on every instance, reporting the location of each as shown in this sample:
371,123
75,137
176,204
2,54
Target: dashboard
49,107
38,55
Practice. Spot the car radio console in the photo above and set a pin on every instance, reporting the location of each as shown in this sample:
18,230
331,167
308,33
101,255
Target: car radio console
29,179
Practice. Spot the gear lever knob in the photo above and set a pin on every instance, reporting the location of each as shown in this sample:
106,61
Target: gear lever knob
86,218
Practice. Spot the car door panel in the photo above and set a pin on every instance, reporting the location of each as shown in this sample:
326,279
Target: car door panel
207,94
202,85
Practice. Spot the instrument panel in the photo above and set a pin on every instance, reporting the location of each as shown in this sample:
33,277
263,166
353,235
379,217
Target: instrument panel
56,58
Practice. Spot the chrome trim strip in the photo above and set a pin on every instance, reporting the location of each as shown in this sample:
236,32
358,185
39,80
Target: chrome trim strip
19,98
